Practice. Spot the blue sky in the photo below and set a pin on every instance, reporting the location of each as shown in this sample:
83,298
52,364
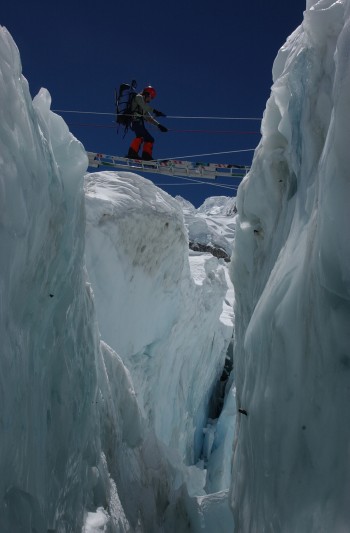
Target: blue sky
204,58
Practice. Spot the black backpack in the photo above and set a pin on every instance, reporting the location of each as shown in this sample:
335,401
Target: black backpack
123,104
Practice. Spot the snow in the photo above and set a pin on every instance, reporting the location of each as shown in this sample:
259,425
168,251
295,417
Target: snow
120,380
97,521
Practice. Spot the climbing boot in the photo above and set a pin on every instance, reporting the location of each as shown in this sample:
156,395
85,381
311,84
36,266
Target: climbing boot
146,156
132,154
147,151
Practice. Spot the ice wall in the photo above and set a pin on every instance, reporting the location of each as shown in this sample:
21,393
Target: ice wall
47,375
291,273
166,327
79,446
73,448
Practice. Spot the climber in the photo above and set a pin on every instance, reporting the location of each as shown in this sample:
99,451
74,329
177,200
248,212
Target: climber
141,112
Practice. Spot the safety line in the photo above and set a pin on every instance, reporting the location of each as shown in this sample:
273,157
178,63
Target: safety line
238,132
194,183
82,112
232,188
215,118
213,153
167,116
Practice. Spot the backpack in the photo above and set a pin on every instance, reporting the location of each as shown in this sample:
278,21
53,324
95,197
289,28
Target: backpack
123,104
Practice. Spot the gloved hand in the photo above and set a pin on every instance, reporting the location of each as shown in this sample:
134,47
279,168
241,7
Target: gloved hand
162,128
158,113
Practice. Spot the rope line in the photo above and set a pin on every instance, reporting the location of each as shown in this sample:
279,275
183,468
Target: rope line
83,112
213,153
196,182
168,116
238,132
193,182
215,118
200,183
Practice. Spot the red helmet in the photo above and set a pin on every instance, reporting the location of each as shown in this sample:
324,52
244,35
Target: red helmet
151,91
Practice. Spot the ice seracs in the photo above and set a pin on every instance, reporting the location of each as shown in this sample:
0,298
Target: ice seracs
168,314
160,315
94,436
118,407
211,227
48,343
291,273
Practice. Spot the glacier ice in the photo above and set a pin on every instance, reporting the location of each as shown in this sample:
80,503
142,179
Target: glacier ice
47,342
117,411
291,275
99,435
212,224
171,328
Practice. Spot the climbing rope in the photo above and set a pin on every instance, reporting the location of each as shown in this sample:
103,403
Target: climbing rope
196,182
189,131
168,116
212,153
